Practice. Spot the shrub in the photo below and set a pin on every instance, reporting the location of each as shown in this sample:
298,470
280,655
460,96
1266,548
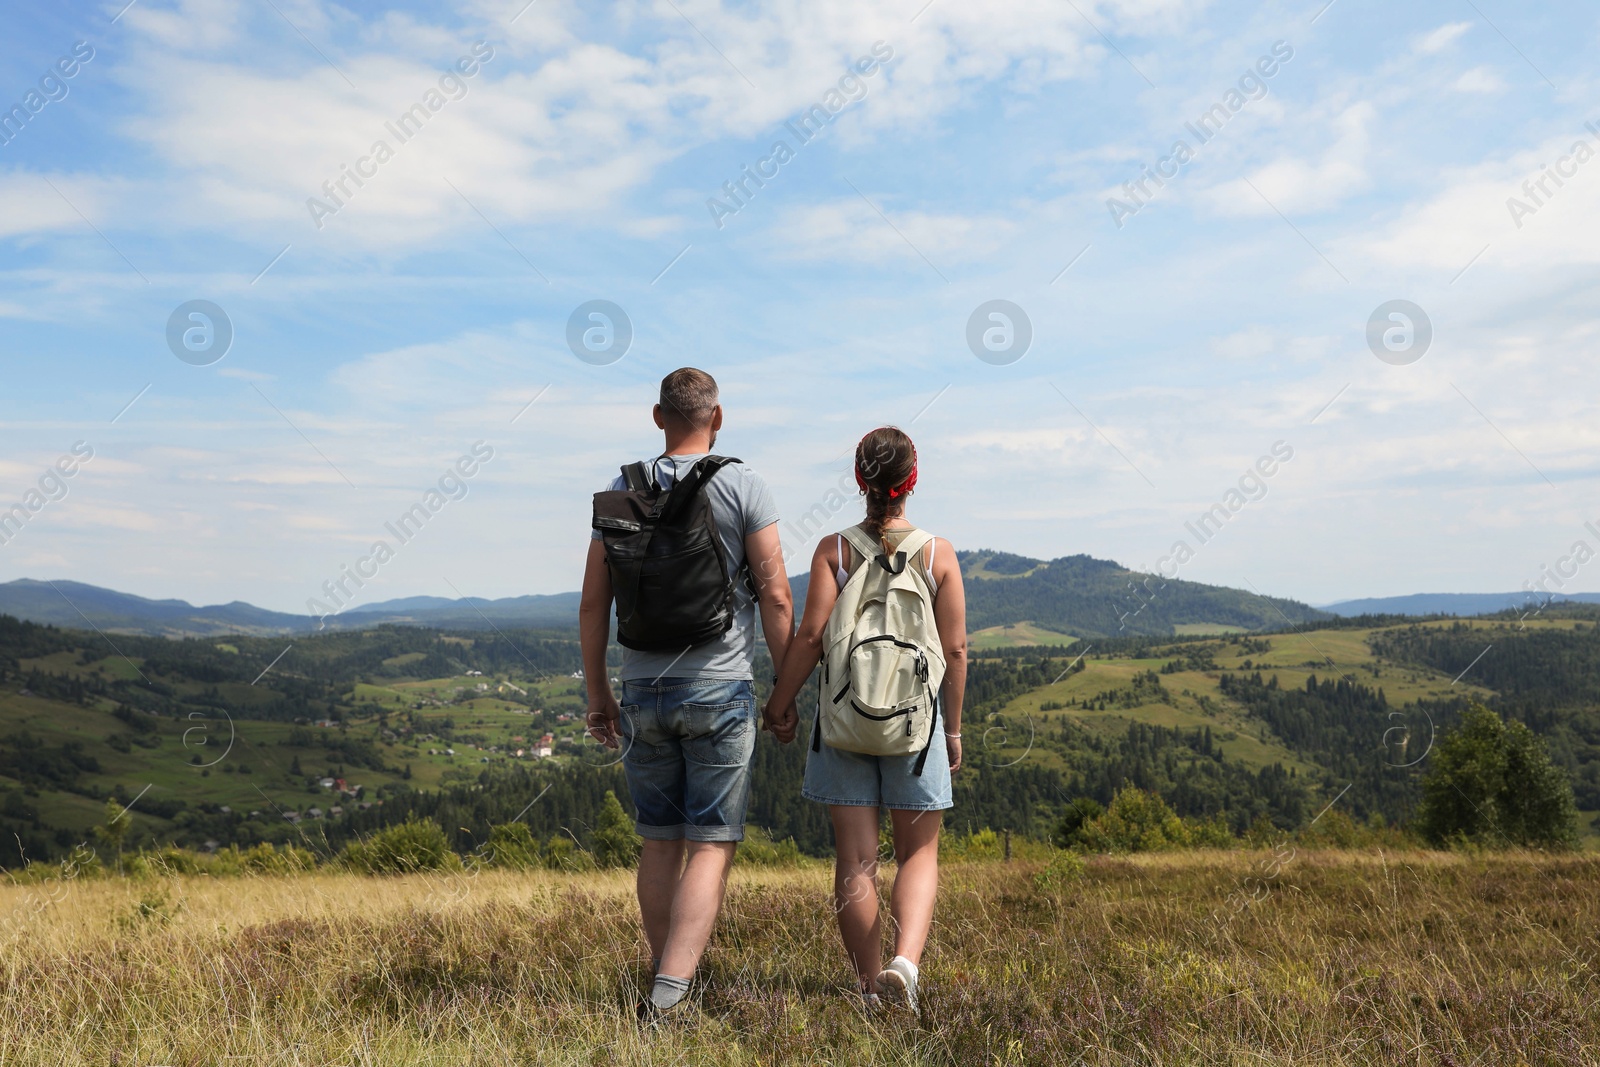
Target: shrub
975,845
988,846
264,859
414,845
152,908
511,847
1492,785
1138,821
758,849
1073,817
161,862
81,862
561,853
1063,869
614,844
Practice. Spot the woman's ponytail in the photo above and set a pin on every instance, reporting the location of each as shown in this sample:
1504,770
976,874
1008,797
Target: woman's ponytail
886,470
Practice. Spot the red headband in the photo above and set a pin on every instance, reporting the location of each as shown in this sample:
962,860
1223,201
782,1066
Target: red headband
897,491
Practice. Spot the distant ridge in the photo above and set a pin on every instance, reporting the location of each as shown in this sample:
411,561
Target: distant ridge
1090,597
1450,603
1077,595
79,606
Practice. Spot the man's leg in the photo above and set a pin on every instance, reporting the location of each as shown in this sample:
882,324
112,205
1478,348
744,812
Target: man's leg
695,905
855,888
660,867
713,723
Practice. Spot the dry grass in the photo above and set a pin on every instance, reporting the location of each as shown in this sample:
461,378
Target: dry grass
1345,958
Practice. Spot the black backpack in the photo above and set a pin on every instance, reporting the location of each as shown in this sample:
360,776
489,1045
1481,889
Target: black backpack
669,571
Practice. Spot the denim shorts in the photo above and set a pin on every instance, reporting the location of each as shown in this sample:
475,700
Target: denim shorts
834,776
687,746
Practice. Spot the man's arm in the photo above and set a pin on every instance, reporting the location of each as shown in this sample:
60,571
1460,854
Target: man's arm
594,632
782,717
764,554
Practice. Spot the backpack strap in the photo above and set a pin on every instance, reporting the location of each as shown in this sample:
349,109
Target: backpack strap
685,488
865,547
914,542
933,731
640,477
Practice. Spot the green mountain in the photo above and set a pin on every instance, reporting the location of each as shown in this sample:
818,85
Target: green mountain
322,738
1091,597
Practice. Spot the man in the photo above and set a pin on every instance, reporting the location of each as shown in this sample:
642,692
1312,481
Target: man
688,719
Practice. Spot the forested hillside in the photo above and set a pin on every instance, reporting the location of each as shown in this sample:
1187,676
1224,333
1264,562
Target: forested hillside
1092,597
327,738
1546,676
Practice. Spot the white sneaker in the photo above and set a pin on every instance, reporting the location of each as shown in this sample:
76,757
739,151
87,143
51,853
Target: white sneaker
897,983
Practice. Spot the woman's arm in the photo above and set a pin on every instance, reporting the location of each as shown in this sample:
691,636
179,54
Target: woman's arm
783,718
950,615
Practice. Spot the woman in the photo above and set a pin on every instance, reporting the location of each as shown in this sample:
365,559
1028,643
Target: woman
855,786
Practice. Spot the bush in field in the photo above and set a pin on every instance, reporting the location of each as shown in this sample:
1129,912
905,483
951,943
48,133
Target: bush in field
561,853
1492,785
264,859
1076,813
1058,875
614,843
81,862
976,845
1336,829
1138,821
414,845
758,849
115,828
161,862
511,847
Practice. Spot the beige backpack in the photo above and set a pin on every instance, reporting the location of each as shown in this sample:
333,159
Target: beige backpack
882,660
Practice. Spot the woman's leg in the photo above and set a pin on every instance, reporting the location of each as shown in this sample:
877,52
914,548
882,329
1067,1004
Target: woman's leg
855,888
916,882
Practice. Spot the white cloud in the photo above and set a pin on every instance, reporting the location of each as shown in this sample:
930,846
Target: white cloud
555,127
1479,80
851,230
33,207
1294,184
1442,38
1257,342
1484,204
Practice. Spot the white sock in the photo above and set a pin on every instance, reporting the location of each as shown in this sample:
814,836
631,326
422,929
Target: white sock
668,990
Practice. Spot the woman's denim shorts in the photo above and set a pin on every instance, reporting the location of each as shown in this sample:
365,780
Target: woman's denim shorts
834,776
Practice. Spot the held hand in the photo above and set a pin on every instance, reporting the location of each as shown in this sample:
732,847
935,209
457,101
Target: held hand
602,719
952,745
783,722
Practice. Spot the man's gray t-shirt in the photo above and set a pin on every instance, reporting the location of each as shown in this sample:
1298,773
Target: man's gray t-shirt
741,504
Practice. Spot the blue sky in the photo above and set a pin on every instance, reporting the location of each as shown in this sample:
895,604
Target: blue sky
1229,313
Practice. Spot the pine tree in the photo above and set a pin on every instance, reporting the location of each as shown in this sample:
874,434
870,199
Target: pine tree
614,844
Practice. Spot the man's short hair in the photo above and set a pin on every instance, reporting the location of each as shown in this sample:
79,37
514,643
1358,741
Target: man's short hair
688,396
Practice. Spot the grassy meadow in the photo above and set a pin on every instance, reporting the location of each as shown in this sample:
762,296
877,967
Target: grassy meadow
1239,957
